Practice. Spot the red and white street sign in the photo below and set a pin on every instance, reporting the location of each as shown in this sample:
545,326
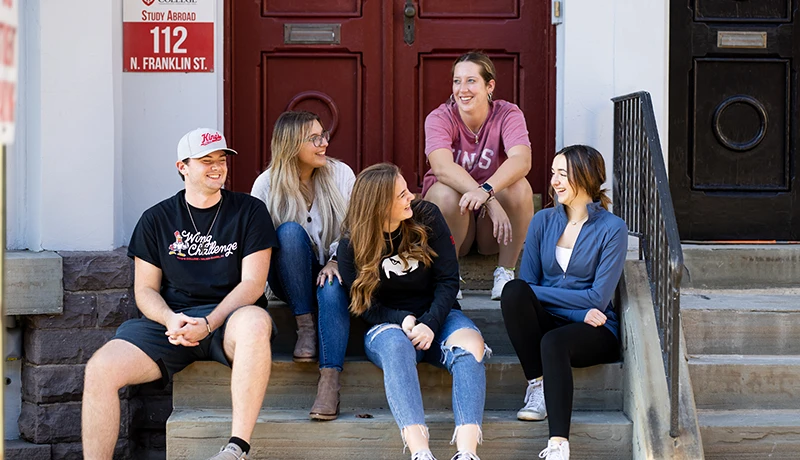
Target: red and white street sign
8,68
168,35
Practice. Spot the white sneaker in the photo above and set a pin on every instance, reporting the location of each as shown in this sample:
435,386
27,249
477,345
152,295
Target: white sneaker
534,409
460,296
555,451
464,455
502,276
423,455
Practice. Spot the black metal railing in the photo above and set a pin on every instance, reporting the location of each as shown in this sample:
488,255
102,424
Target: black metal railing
642,198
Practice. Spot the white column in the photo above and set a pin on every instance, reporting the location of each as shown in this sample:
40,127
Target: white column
72,116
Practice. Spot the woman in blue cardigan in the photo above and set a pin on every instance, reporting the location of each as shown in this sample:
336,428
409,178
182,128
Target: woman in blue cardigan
559,314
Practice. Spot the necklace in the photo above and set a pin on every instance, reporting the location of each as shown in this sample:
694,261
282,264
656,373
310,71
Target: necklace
576,222
202,245
477,133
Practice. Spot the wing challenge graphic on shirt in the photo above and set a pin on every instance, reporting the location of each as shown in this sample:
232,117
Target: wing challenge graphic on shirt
199,247
395,265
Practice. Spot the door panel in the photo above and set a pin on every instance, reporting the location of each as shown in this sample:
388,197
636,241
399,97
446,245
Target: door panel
739,11
371,88
515,34
336,96
748,113
733,119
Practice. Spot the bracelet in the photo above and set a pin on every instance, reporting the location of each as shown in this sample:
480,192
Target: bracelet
208,326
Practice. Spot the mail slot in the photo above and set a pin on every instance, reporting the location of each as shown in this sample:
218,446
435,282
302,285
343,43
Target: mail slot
304,34
741,39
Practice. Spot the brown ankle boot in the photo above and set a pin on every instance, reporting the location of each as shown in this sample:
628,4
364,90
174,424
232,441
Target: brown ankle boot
305,350
326,406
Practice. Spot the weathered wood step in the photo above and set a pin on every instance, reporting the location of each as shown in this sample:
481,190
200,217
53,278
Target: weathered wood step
746,322
290,435
476,304
293,386
745,381
767,433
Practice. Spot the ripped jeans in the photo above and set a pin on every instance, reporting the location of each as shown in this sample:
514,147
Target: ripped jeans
388,348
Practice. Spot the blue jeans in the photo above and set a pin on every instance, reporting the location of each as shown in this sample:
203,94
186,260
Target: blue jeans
388,348
292,277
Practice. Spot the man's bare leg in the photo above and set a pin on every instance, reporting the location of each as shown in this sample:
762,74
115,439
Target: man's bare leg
117,364
247,346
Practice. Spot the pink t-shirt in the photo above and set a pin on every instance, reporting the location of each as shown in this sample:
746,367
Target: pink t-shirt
503,129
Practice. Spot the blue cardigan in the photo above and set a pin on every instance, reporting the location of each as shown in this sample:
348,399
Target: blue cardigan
594,268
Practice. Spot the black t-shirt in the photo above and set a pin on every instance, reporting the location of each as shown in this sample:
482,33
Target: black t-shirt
198,267
428,293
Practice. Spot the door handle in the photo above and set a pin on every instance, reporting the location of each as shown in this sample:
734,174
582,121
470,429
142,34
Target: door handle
408,22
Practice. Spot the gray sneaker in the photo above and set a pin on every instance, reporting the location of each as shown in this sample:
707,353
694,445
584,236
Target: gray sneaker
230,452
534,409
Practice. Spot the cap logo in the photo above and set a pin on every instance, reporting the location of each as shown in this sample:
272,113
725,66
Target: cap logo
208,138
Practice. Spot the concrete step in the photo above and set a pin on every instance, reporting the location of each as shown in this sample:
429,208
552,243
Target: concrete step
741,266
745,322
732,434
289,435
745,381
294,386
476,304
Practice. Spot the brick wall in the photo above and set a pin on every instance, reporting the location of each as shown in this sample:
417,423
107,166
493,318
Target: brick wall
97,298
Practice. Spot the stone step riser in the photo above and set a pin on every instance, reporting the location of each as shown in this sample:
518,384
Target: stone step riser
489,321
750,434
599,437
293,386
741,267
741,332
730,443
745,386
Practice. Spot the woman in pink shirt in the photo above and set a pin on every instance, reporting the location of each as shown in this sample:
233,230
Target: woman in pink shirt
479,153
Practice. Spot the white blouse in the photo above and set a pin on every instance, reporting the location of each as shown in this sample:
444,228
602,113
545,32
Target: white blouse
344,179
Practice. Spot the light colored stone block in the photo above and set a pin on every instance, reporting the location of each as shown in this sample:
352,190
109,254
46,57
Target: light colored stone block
33,283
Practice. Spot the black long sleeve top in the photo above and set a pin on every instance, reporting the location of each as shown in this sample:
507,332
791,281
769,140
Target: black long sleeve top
427,293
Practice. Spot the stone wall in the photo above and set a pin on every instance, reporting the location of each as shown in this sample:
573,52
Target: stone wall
98,297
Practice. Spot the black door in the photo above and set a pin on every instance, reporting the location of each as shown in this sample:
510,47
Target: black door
733,119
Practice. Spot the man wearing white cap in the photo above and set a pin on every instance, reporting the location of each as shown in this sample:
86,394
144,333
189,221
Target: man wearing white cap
201,260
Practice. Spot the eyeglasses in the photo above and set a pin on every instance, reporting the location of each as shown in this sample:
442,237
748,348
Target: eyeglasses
317,139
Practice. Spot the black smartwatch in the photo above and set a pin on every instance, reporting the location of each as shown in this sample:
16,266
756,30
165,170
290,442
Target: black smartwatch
487,188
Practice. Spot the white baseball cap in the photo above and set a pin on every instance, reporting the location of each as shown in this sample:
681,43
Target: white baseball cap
201,142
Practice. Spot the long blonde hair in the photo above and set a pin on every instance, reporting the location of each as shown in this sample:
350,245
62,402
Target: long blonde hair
287,197
370,208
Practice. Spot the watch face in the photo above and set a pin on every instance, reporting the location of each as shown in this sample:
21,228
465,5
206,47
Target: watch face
486,187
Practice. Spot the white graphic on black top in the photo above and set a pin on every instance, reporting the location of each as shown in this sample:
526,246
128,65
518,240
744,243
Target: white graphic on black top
199,247
178,246
395,265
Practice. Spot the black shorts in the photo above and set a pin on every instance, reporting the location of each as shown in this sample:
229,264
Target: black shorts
149,336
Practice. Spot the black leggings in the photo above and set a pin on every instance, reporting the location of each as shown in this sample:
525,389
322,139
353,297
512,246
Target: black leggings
549,346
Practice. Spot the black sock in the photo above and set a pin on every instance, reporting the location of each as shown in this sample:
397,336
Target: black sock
241,443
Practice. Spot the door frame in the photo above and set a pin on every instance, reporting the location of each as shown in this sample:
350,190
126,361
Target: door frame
550,38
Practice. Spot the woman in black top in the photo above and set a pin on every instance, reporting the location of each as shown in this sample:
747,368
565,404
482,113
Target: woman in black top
398,261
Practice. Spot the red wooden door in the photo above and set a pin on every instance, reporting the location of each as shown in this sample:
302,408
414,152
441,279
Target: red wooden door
348,61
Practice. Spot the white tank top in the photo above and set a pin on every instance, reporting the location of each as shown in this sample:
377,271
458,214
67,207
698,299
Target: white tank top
562,257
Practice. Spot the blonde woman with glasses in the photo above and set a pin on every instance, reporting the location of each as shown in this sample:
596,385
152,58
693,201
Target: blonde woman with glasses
307,193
